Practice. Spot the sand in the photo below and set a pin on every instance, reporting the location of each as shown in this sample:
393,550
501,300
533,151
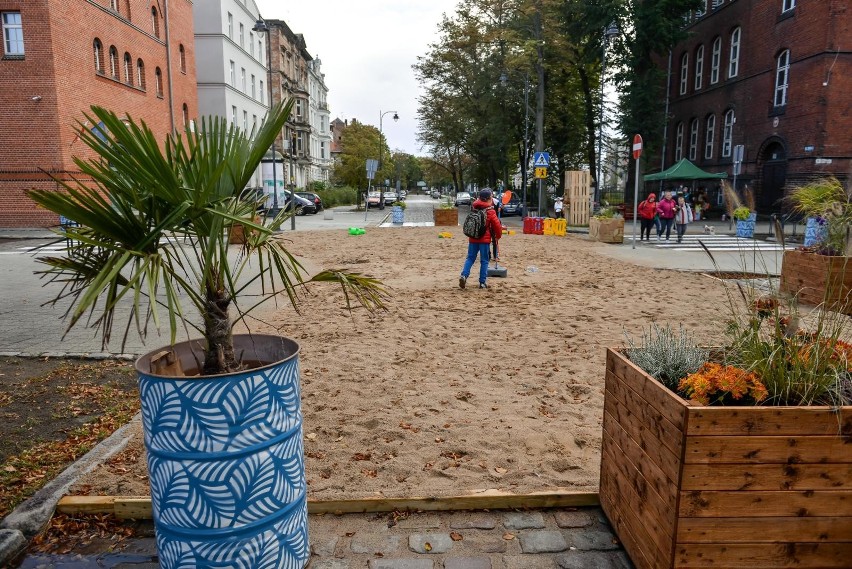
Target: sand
451,391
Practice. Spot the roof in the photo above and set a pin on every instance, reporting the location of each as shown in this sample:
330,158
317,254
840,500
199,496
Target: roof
684,170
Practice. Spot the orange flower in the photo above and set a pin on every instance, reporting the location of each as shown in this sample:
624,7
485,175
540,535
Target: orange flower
714,382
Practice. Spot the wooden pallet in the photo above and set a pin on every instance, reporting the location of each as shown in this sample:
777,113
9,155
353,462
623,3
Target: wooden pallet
577,195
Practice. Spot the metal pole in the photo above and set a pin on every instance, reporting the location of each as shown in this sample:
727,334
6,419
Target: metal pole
525,165
636,201
381,190
271,104
293,184
367,197
597,195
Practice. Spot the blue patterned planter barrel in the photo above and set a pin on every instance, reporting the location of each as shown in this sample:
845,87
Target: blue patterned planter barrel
398,214
745,228
815,232
225,458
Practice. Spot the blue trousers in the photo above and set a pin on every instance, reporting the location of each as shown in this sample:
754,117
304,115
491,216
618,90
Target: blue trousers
474,249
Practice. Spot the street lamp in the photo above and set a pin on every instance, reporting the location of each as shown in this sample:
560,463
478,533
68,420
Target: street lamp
261,28
610,32
504,80
381,148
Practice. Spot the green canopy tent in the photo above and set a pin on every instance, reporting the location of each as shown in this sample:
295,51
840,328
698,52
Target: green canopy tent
684,170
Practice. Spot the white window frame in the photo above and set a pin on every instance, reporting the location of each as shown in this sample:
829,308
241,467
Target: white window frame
693,140
717,3
158,79
140,74
734,61
684,73
242,35
262,92
233,115
97,47
715,60
782,78
253,87
233,68
243,79
728,133
127,63
13,33
113,62
710,137
787,5
245,121
699,68
230,26
679,142
251,43
155,22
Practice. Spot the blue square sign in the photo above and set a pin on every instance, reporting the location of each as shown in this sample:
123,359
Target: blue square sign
541,160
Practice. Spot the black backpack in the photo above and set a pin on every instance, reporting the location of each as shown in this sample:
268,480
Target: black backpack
475,223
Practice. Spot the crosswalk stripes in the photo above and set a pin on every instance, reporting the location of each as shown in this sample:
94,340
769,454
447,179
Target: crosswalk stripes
729,243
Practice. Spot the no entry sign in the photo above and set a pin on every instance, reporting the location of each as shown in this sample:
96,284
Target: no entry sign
637,146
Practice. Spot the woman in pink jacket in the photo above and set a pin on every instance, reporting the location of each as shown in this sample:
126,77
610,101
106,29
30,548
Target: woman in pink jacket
666,209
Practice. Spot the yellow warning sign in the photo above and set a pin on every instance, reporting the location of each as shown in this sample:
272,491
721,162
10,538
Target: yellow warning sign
541,173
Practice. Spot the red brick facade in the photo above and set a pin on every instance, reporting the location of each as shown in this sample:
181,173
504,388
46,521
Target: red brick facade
807,135
56,81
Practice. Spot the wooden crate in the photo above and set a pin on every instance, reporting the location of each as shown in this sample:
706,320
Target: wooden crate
606,230
818,279
577,195
446,217
688,486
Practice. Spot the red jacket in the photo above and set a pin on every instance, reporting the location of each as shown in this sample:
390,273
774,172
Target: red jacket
492,222
648,209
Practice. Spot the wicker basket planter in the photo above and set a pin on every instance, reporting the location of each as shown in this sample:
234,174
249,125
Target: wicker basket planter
446,217
817,279
693,486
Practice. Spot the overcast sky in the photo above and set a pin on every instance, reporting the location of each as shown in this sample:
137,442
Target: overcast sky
367,49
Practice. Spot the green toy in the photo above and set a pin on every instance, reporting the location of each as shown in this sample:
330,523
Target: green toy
356,231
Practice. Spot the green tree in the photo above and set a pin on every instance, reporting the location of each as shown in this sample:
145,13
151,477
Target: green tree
358,143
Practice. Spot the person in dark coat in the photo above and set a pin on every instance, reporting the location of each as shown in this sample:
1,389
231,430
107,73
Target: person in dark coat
480,246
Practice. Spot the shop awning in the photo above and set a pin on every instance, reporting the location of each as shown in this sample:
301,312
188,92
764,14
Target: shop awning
684,170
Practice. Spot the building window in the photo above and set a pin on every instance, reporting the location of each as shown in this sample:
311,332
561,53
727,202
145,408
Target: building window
233,74
728,133
684,73
113,62
679,142
262,92
253,124
182,58
717,3
710,137
322,150
140,74
253,88
251,44
98,49
158,79
114,5
230,25
245,121
298,109
127,9
734,63
13,34
185,111
155,22
699,68
242,35
260,51
128,65
693,140
233,116
782,78
787,5
243,79
715,61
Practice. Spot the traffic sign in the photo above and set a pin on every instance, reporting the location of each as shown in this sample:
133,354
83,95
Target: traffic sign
541,159
637,146
541,172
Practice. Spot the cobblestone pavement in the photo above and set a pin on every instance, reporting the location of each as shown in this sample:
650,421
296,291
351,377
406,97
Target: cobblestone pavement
537,539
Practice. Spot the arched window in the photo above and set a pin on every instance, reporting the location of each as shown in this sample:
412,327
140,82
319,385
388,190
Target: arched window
782,78
693,140
182,58
699,67
128,69
728,133
684,73
113,62
158,77
114,5
710,137
185,115
98,49
787,5
715,60
734,62
127,9
678,149
155,22
140,74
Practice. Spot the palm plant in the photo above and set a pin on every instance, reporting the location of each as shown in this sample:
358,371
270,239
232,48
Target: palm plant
136,200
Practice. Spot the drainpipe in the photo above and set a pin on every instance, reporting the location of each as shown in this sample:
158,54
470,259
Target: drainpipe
169,64
666,117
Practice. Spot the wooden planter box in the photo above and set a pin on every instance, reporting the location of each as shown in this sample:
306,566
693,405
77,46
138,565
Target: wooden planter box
818,279
446,217
606,230
691,486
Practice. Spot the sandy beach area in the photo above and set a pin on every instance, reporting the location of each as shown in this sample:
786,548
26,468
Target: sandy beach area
451,390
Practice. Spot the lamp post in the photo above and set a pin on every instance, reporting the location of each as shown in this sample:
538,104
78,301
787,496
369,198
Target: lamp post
381,148
261,28
610,32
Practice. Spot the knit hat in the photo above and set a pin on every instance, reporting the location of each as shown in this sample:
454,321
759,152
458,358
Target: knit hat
485,195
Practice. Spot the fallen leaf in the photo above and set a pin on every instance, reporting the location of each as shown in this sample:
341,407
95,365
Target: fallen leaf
500,470
427,546
350,533
362,456
508,536
456,536
10,468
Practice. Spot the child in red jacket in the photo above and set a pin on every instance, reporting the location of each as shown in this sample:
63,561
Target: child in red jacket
481,245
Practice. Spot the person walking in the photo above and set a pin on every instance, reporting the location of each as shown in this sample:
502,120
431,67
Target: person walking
666,210
480,246
557,208
647,213
683,216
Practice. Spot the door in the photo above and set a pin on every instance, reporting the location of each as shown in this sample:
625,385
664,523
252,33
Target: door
774,176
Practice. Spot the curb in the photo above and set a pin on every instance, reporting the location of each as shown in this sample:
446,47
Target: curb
31,516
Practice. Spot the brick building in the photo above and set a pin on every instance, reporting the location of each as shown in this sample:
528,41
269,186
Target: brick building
58,58
772,75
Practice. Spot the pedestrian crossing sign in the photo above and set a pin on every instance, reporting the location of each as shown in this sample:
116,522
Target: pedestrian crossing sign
541,173
541,160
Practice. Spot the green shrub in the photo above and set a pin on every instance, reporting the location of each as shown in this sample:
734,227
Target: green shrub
342,195
741,213
665,355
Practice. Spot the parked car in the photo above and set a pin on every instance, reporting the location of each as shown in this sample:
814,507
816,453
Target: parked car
373,200
513,207
436,194
310,196
462,198
390,197
303,206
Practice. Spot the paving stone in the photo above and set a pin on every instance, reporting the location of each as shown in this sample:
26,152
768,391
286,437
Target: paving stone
545,541
467,563
331,564
439,542
401,564
523,520
417,521
587,559
578,519
530,562
475,521
324,546
375,543
593,540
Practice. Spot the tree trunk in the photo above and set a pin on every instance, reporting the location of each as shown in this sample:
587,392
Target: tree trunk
589,105
219,357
